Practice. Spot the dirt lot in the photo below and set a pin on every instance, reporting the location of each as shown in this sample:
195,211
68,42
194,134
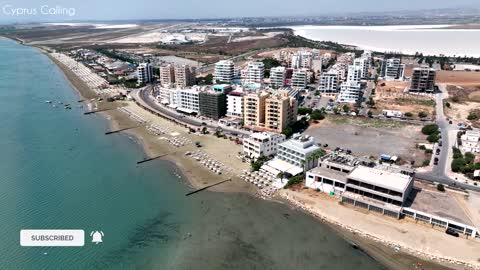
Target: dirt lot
220,45
463,101
367,137
442,204
458,77
392,96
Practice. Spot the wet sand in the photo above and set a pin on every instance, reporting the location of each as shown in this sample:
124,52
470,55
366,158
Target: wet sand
199,176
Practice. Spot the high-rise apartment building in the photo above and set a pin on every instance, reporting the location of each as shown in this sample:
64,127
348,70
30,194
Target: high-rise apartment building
144,73
254,109
280,110
328,83
235,104
423,80
393,69
224,71
255,73
299,78
278,76
167,75
185,76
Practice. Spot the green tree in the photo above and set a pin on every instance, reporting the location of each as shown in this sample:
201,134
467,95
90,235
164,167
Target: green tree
269,63
430,129
257,164
317,115
441,188
346,108
304,111
408,114
433,138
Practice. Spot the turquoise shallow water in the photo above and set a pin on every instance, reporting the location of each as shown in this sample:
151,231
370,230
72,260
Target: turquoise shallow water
59,171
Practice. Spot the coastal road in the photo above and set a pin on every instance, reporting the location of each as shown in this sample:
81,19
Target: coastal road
366,96
439,172
143,97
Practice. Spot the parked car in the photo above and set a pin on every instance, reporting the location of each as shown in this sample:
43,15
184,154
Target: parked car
435,161
438,151
440,143
452,232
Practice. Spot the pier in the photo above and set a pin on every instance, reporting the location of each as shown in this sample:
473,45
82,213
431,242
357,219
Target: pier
92,112
122,129
150,159
209,186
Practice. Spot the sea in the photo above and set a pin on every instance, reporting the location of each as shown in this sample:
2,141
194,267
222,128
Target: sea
409,39
59,171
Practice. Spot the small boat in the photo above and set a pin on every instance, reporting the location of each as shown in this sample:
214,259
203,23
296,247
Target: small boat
48,101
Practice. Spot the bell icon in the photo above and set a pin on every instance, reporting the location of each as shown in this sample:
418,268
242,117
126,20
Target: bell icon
96,237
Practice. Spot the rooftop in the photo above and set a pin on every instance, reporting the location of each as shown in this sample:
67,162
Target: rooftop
302,144
389,180
332,174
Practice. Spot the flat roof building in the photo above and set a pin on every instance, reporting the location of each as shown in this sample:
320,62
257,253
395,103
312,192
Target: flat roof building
262,144
297,151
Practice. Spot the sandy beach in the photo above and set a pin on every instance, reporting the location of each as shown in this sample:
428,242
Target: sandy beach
199,176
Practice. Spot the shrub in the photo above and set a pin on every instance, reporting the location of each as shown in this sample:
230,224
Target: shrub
441,187
422,114
408,114
428,151
455,99
426,162
294,180
422,147
447,104
472,116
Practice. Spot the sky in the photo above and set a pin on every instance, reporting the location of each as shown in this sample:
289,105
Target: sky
41,10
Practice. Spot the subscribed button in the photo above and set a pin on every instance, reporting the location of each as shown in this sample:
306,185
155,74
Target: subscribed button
52,238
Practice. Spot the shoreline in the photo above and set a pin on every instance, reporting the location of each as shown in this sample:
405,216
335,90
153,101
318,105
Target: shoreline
374,249
364,237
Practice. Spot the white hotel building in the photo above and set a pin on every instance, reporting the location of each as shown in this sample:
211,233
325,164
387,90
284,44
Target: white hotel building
297,150
262,144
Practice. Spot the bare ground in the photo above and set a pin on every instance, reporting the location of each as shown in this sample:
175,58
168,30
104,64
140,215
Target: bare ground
367,137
